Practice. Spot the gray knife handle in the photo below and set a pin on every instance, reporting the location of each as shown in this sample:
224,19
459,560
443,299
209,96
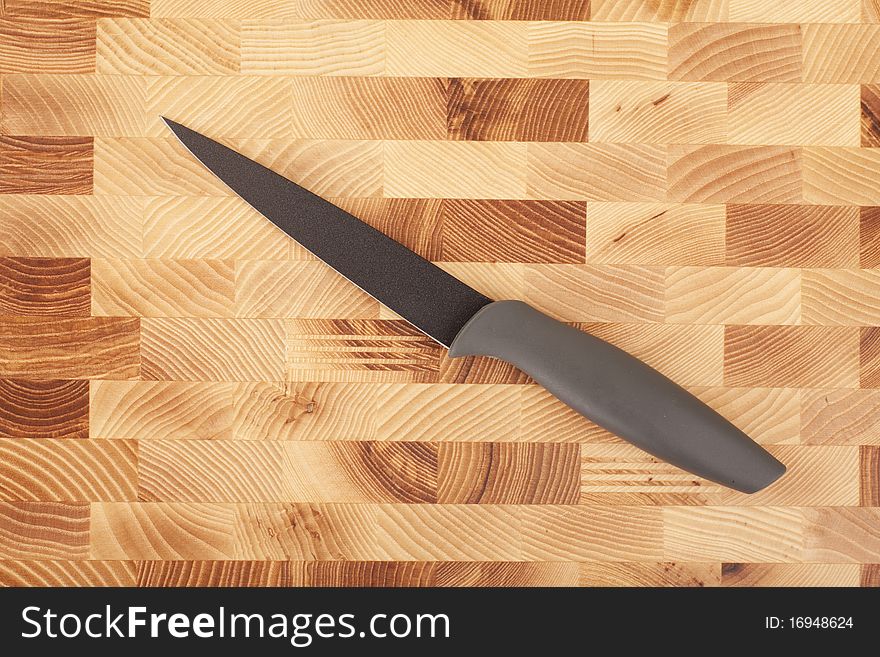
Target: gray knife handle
620,393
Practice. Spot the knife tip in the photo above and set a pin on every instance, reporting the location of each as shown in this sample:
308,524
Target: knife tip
172,125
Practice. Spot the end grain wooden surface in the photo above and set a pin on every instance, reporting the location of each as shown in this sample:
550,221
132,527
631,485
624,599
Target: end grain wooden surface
188,398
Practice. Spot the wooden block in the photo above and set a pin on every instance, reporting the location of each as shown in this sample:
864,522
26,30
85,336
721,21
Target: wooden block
869,357
87,347
414,222
650,574
795,11
146,410
869,237
161,531
505,573
491,49
67,573
273,471
235,107
272,10
213,573
841,53
870,571
137,46
741,534
162,288
306,411
363,573
44,530
359,350
734,174
183,349
840,417
44,286
75,105
666,11
443,412
597,172
730,52
841,297
202,227
150,167
871,11
441,532
809,114
622,474
328,168
77,8
34,45
690,355
313,532
789,574
507,473
588,293
730,295
870,118
655,234
799,356
571,533
658,112
368,108
70,226
513,231
470,169
838,535
325,47
526,109
791,236
45,165
629,51
297,289
869,475
844,176
44,409
505,10
53,470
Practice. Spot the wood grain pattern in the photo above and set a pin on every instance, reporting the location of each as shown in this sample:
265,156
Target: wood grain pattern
730,52
34,45
655,234
44,286
658,112
45,165
870,116
629,51
518,110
86,347
70,226
841,53
823,115
791,236
68,470
734,174
804,356
190,398
44,409
136,46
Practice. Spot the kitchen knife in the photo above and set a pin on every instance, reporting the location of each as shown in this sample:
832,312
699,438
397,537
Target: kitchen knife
605,384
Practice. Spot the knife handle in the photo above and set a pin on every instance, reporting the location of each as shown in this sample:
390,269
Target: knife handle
620,393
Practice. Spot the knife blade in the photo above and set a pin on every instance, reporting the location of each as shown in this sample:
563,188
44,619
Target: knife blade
600,381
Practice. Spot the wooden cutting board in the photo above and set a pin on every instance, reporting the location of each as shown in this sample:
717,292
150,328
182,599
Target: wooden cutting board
186,397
